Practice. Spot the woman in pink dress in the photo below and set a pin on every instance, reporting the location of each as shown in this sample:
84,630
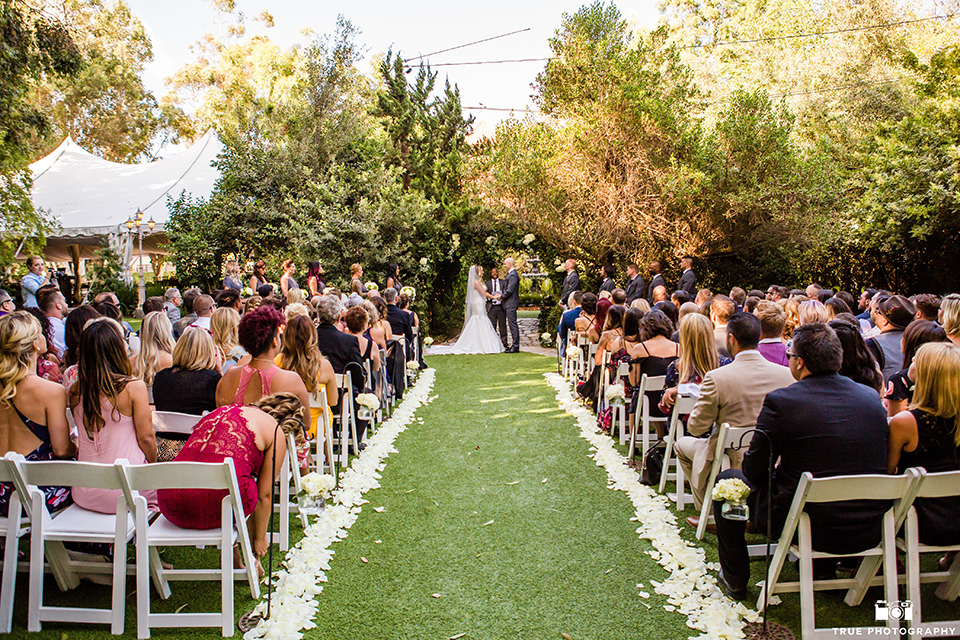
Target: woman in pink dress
248,434
111,409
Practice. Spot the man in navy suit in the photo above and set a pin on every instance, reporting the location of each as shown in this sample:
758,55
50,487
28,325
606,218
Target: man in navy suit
688,280
826,424
511,302
569,318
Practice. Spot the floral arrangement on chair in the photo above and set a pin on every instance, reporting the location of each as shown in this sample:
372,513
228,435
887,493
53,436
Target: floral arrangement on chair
733,492
428,341
574,352
616,395
314,491
368,404
546,339
412,369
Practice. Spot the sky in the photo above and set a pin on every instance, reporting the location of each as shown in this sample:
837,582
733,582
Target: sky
412,28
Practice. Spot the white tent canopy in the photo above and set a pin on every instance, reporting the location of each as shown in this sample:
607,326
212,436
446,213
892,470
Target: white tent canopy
92,198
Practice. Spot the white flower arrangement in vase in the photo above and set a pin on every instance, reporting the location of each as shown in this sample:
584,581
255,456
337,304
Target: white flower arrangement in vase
369,403
412,369
314,491
733,492
574,352
616,395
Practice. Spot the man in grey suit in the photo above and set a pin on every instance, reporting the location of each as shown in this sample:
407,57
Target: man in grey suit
498,317
688,281
511,302
635,283
571,282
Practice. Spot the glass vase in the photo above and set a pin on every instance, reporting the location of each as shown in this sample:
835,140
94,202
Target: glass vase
364,413
311,505
738,511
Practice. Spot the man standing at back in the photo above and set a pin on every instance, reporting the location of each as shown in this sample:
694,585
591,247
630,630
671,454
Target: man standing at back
656,280
732,394
636,285
571,282
826,424
511,302
688,280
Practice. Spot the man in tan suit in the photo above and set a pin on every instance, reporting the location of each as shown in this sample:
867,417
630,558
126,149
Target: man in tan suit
732,394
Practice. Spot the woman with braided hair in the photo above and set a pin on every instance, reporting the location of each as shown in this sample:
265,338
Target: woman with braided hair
248,434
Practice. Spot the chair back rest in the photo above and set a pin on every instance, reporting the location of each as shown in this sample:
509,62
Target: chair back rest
344,382
581,340
733,438
855,487
174,422
944,484
180,475
7,471
683,405
651,383
67,473
623,370
318,400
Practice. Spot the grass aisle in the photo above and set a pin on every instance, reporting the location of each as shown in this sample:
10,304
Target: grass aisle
527,560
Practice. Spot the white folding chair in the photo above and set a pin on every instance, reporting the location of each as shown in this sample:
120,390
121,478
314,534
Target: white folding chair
416,344
604,382
347,418
683,406
642,420
727,438
619,417
322,446
13,527
75,524
174,422
162,533
934,485
899,489
591,357
371,383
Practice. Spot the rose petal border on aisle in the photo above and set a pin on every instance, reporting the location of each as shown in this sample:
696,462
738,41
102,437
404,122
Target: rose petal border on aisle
689,588
298,583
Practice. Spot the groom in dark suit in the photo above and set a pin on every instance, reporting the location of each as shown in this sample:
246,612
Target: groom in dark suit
498,317
511,302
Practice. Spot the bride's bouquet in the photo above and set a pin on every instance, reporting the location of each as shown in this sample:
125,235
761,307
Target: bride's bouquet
428,341
371,286
247,292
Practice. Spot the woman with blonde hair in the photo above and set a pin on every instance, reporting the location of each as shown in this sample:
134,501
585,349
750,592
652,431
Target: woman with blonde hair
231,276
642,304
950,317
791,306
252,303
223,326
698,355
156,347
299,353
375,332
190,385
928,435
812,311
111,410
356,282
33,418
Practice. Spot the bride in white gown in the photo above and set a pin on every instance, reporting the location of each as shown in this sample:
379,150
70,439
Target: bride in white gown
478,334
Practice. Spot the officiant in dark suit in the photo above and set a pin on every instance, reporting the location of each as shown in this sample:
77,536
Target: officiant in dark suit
656,280
495,311
571,282
636,285
511,302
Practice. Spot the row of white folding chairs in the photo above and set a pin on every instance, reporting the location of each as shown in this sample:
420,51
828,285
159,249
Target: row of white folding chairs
131,522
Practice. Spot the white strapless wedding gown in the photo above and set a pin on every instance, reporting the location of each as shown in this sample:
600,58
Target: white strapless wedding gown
477,335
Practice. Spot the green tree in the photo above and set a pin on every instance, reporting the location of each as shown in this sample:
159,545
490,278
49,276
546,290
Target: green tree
33,45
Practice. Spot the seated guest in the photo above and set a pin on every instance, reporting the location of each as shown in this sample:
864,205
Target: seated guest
772,318
203,306
812,311
659,294
825,424
156,347
377,330
299,353
7,305
189,298
252,303
246,435
399,320
223,326
588,313
671,311
595,331
703,296
698,355
47,364
790,306
899,390
824,295
732,394
835,306
229,298
296,309
927,436
111,410
190,384
813,290
685,309
112,311
739,297
171,304
680,298
858,363
652,356
357,322
891,316
619,296
611,334
382,324
76,321
340,348
568,321
721,308
950,317
33,418
640,304
259,334
750,304
151,304
54,306
928,306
